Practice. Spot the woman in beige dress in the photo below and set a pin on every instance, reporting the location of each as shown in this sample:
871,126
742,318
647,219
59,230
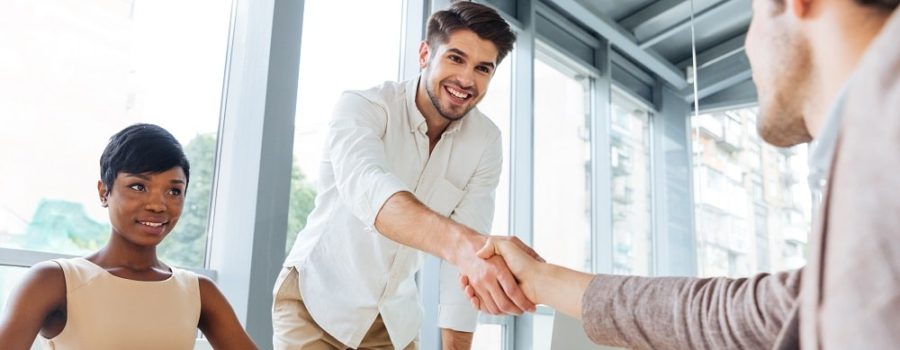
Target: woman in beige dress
123,296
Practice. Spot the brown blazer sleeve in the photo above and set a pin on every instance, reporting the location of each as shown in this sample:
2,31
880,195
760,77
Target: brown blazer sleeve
689,313
859,306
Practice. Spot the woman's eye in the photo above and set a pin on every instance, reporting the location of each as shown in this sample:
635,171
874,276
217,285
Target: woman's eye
175,192
137,187
455,59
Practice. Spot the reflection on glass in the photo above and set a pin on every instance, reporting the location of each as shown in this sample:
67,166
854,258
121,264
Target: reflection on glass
364,59
630,165
543,330
497,105
752,204
561,167
488,337
81,74
10,277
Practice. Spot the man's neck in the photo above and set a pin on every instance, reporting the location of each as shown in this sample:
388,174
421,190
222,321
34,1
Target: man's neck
436,123
844,32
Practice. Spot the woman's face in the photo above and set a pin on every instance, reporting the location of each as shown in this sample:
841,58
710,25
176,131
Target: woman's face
143,208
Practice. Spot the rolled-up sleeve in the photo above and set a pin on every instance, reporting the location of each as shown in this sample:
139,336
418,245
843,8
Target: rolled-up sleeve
357,153
476,211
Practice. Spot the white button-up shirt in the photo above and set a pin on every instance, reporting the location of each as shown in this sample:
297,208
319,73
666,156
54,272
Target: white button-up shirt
377,146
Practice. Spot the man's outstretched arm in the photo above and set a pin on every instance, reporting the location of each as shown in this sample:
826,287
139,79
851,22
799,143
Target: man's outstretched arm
659,312
407,221
378,198
687,312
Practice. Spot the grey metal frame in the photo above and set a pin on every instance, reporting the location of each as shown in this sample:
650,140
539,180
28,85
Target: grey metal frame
624,40
674,244
252,189
25,258
521,153
601,207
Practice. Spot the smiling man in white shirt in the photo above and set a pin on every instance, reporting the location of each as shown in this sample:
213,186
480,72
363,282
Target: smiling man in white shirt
409,167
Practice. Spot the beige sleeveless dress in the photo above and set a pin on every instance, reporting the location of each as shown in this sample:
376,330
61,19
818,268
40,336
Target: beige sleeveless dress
109,312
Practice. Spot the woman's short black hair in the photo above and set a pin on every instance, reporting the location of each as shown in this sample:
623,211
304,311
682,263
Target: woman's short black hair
139,149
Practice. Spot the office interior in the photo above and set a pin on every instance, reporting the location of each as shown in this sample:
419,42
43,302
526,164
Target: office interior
628,129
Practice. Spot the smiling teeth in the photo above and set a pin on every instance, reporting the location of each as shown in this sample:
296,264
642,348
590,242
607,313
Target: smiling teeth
152,224
457,94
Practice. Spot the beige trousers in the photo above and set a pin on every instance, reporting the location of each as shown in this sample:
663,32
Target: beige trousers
294,329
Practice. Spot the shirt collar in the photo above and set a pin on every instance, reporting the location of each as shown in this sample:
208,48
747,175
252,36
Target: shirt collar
821,149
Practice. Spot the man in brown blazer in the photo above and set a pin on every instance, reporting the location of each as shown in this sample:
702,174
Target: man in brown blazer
824,69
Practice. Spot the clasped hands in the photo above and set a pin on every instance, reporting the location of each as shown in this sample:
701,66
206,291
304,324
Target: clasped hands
499,279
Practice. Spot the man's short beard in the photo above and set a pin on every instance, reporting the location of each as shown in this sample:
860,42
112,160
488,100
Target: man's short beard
781,110
784,130
437,105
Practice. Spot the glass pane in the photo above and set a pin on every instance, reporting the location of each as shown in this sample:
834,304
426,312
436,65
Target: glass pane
543,330
10,277
488,337
561,167
364,59
630,165
497,105
752,204
80,72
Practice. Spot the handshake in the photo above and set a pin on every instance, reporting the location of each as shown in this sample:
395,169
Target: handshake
502,277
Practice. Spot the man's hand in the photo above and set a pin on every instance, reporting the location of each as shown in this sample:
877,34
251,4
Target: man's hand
490,279
407,221
521,260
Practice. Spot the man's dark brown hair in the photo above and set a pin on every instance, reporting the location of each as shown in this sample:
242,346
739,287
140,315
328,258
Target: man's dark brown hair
480,19
887,5
883,4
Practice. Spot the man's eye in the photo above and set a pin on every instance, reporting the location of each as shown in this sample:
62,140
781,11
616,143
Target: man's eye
455,58
175,192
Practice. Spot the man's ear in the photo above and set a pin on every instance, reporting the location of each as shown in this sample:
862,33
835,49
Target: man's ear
101,190
424,51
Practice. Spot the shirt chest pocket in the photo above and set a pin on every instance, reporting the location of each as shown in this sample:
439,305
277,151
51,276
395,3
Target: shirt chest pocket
445,197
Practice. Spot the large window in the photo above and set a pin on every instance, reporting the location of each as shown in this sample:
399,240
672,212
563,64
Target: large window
562,219
336,57
9,279
496,105
562,193
77,72
752,205
630,194
488,337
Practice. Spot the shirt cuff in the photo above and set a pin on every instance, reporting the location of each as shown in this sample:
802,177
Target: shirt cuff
460,318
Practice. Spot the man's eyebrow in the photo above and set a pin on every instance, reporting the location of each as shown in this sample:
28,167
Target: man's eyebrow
463,54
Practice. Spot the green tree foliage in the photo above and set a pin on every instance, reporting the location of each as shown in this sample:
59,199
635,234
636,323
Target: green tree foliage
302,200
63,226
186,244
